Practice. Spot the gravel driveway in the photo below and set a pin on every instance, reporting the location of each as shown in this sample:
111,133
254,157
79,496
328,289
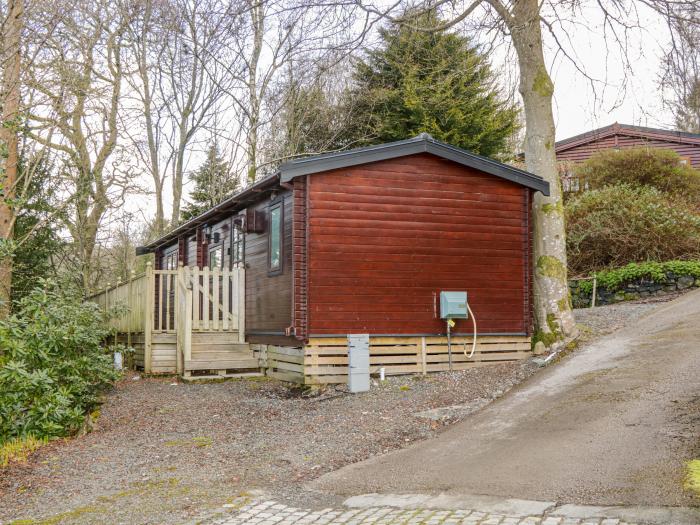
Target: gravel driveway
166,452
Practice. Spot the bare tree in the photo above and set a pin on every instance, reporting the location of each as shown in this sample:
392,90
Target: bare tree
274,36
78,74
681,67
12,23
180,86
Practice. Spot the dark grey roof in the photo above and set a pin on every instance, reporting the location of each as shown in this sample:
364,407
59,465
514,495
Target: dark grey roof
235,201
423,143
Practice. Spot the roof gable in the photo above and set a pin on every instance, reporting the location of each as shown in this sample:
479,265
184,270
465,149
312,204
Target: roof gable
625,130
423,143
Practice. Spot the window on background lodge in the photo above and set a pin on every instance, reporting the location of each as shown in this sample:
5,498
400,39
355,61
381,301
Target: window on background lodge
275,243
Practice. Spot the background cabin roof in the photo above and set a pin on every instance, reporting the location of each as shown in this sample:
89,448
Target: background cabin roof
668,135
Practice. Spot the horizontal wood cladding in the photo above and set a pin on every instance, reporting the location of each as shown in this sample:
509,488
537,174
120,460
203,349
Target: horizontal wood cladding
582,152
385,238
268,297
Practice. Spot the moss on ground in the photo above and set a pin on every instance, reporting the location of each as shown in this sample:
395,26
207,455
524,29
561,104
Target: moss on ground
103,505
692,478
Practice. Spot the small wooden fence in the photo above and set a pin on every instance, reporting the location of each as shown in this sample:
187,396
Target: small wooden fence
166,307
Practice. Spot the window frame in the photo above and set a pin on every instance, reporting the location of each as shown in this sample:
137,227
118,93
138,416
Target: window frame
217,247
236,247
276,204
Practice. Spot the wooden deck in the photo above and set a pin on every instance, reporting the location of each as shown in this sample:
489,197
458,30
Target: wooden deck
186,321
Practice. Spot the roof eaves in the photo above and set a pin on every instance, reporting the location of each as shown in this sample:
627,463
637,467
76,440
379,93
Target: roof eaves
421,144
670,135
208,214
350,158
490,166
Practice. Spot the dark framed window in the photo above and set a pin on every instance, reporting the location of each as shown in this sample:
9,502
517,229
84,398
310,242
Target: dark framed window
274,252
216,259
236,249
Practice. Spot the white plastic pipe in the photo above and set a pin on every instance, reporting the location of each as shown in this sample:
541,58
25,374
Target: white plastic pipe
474,340
381,373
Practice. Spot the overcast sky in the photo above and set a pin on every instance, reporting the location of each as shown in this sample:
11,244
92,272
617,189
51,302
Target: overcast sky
629,96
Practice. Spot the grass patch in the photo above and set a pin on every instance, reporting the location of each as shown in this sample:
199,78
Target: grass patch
104,504
19,449
198,441
692,478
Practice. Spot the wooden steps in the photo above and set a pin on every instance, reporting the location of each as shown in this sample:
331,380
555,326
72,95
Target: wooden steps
221,352
190,378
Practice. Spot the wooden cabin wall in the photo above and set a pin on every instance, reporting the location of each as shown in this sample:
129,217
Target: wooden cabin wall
269,297
385,238
585,151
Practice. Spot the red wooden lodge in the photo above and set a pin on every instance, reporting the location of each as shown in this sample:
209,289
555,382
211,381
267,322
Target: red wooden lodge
355,242
623,136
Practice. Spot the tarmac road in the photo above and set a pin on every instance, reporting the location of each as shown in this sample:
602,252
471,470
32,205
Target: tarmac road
612,424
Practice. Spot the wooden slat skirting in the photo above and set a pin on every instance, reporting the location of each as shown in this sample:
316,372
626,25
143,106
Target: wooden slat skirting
326,360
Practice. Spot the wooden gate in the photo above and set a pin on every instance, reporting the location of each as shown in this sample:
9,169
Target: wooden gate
184,319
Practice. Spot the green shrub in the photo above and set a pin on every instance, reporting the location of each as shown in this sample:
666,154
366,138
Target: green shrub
616,225
53,366
652,271
658,168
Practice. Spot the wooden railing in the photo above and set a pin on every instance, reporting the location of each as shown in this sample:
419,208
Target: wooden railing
132,295
155,301
218,298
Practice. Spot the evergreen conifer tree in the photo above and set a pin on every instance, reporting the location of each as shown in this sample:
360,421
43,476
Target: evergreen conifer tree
213,181
435,82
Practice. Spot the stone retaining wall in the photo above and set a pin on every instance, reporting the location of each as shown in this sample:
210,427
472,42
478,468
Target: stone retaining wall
632,290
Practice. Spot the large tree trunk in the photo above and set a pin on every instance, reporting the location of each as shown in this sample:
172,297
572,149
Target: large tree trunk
11,53
553,313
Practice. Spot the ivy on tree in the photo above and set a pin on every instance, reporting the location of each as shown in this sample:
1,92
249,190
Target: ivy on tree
435,82
214,181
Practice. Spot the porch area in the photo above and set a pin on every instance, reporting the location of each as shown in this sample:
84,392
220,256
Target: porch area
188,321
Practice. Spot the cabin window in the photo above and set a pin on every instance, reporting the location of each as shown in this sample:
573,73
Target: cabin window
215,257
170,262
236,247
275,239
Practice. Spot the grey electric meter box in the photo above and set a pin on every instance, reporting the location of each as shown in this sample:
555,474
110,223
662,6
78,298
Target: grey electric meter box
453,305
358,362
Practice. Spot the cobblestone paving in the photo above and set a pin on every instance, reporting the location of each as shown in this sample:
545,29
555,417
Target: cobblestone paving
272,513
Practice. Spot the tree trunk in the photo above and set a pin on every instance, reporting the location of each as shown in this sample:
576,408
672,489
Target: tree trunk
552,304
11,54
148,114
258,23
178,172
